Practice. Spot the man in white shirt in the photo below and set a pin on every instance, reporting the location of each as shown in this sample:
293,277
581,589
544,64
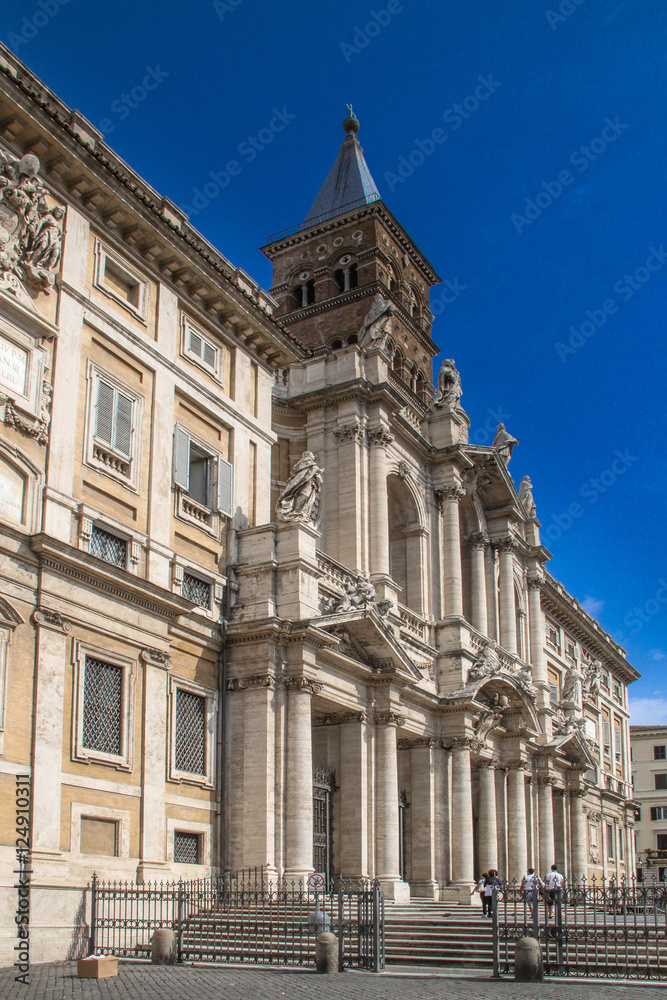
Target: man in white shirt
528,883
554,886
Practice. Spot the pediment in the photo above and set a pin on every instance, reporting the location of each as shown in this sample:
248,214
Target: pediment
574,745
9,615
366,636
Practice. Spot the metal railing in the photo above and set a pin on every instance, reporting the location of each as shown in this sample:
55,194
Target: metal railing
245,917
599,927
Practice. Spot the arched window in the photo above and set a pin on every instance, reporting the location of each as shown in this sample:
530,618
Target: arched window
405,543
420,386
336,345
346,278
353,339
397,363
304,295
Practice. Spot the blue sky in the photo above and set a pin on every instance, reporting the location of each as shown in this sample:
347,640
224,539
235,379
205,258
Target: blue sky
540,198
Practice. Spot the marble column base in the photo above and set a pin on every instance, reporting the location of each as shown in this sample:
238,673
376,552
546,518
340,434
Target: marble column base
459,892
298,875
424,890
395,889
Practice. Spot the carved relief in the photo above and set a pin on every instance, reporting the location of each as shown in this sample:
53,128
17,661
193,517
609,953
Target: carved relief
37,429
491,718
350,432
52,619
156,657
300,500
485,664
379,437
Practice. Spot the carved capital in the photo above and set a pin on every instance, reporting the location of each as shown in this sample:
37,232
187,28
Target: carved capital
350,432
339,718
546,780
256,681
516,765
535,580
449,494
52,619
389,719
155,658
462,743
507,544
478,541
379,437
302,684
419,742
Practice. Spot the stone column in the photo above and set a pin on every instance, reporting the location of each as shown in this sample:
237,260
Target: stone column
299,779
478,545
351,540
578,836
378,439
517,841
461,826
154,767
546,823
506,547
257,769
47,757
448,497
387,868
536,629
487,826
353,781
423,882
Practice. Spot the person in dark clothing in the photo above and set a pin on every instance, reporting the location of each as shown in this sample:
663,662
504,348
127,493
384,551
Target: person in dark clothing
491,880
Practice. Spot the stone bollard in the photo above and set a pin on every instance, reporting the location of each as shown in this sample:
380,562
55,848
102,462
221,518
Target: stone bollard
162,947
528,967
326,953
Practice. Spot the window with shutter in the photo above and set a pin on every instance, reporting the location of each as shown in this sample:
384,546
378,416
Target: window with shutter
199,348
122,436
606,735
113,422
206,479
104,412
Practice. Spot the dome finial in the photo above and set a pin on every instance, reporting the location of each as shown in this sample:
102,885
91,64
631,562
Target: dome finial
351,124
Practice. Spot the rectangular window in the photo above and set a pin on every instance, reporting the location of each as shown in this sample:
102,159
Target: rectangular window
621,850
186,848
553,694
203,351
659,753
196,590
638,815
661,840
553,636
610,842
660,781
606,736
252,484
113,419
658,812
121,282
99,836
102,707
254,388
617,745
206,478
190,736
604,681
108,547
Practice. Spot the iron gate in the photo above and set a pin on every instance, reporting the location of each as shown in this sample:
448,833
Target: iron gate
249,917
324,785
597,928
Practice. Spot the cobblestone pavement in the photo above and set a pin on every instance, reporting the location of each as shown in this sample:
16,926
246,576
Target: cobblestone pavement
145,982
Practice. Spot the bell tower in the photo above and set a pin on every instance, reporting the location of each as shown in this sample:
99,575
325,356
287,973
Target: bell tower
348,255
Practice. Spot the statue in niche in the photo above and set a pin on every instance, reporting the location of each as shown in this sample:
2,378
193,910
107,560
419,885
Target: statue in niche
449,385
377,321
485,664
504,444
591,680
571,686
30,231
492,717
300,500
526,496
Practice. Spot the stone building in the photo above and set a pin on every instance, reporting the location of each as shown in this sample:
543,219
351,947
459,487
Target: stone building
262,602
649,783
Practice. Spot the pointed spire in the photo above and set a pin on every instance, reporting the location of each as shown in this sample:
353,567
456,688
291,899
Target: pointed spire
349,183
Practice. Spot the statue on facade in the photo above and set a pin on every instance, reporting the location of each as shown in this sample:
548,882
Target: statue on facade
492,717
359,593
571,686
565,725
590,685
377,320
504,444
526,496
449,385
300,500
30,231
524,679
485,664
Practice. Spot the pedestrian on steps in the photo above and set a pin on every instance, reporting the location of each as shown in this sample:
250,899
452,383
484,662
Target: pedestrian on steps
528,884
479,888
553,882
492,880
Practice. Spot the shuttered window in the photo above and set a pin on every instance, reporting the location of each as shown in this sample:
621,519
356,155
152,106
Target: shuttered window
206,478
113,418
606,735
201,349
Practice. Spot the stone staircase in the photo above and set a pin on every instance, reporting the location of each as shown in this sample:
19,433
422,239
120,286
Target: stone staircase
438,934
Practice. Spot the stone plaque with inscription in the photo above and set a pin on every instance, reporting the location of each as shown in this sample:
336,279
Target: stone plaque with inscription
13,366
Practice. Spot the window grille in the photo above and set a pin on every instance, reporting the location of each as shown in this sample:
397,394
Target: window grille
102,707
186,848
196,590
190,742
108,547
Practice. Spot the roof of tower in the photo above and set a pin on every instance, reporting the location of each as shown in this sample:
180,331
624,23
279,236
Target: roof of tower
349,183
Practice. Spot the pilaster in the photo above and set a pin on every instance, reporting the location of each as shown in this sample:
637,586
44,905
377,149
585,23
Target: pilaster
478,543
517,837
506,547
448,497
354,795
154,769
462,874
387,867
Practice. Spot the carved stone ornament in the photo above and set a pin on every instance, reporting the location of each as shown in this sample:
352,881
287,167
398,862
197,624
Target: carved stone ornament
479,540
463,743
30,231
571,686
389,719
52,619
359,593
535,581
340,718
507,544
377,322
302,684
447,494
34,428
492,717
156,657
524,680
379,437
256,681
486,664
564,725
350,432
592,673
418,743
300,500
403,471
449,385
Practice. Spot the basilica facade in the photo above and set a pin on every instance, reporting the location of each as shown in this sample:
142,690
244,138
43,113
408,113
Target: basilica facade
263,604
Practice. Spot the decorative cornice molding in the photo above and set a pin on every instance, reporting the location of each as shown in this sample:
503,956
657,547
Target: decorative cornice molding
418,743
340,718
389,719
156,658
302,684
52,620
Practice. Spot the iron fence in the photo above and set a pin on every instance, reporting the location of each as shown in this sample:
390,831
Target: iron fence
599,927
245,917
